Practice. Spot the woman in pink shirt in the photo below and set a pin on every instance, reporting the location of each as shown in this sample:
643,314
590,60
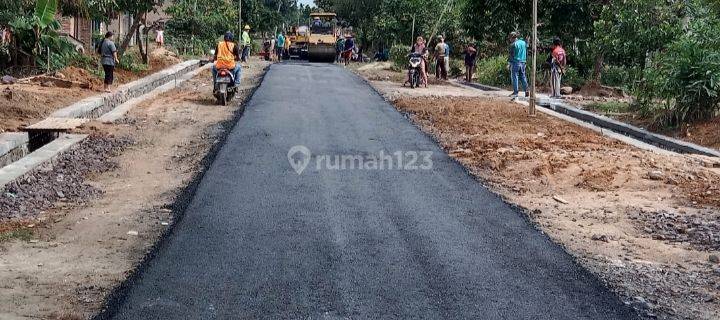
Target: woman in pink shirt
558,63
420,48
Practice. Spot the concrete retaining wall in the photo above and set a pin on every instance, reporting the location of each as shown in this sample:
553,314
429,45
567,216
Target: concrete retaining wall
13,146
47,152
627,129
93,107
631,131
14,157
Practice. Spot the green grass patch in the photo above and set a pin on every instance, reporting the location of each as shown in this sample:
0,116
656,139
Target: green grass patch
611,107
23,234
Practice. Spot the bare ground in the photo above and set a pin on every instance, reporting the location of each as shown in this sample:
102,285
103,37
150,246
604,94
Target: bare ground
23,104
646,223
70,257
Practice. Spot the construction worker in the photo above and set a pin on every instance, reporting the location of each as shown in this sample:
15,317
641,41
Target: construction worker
348,50
279,46
558,62
441,50
517,58
339,48
286,49
245,38
226,55
316,24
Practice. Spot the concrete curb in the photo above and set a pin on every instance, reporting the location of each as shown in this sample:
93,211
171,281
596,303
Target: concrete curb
119,111
13,145
608,133
618,127
95,106
482,86
46,153
643,135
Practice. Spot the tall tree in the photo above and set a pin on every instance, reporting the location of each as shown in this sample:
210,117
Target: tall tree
137,9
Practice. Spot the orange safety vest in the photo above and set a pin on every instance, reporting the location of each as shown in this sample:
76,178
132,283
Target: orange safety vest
225,55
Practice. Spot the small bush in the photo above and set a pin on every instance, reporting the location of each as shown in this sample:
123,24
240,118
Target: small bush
621,77
616,77
398,56
573,78
493,71
457,68
611,107
683,82
132,63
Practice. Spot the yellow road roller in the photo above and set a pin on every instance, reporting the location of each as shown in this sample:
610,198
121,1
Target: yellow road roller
322,37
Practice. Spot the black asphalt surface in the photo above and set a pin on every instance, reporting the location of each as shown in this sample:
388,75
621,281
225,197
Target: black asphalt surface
260,241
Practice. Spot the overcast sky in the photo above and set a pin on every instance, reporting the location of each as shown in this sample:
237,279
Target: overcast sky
310,2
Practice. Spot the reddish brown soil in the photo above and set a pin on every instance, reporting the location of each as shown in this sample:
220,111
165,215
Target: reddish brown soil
25,104
81,75
705,133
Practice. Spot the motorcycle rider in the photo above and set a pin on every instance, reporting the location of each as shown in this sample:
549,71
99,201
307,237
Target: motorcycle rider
227,53
421,48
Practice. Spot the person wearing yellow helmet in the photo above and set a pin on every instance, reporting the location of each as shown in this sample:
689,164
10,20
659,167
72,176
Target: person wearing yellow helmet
246,43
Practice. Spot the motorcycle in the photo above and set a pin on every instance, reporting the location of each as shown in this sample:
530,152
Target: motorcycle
224,88
414,70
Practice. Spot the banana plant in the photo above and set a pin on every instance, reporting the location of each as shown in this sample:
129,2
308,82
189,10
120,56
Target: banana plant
45,11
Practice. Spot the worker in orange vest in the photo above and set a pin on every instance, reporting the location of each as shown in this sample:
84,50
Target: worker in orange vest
227,53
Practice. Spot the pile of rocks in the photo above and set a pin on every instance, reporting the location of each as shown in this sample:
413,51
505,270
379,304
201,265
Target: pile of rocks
700,230
662,291
62,179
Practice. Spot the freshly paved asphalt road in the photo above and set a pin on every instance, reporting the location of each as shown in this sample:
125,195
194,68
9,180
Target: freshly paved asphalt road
261,241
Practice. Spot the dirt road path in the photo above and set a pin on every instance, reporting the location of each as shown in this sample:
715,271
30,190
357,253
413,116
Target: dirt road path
261,241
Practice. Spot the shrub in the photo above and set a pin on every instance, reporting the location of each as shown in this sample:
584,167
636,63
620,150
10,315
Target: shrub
130,62
398,56
457,68
573,78
683,82
616,77
493,71
611,107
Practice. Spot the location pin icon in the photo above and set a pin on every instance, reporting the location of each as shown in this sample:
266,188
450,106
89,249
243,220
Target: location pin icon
301,164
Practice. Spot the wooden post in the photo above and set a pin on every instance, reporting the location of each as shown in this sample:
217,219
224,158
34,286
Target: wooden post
412,36
47,68
533,76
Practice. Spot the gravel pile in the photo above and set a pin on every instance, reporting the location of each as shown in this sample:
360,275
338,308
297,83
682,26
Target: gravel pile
663,291
701,231
62,179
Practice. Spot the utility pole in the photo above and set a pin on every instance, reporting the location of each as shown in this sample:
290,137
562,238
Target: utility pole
533,92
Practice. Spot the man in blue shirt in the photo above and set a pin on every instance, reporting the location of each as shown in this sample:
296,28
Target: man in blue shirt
348,50
279,46
516,63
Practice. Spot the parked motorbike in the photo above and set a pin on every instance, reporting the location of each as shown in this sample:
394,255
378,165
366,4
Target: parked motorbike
414,70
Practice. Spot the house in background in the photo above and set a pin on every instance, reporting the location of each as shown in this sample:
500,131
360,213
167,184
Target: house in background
80,31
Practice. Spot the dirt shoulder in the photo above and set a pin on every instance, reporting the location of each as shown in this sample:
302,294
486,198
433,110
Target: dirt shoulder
647,224
22,104
63,261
